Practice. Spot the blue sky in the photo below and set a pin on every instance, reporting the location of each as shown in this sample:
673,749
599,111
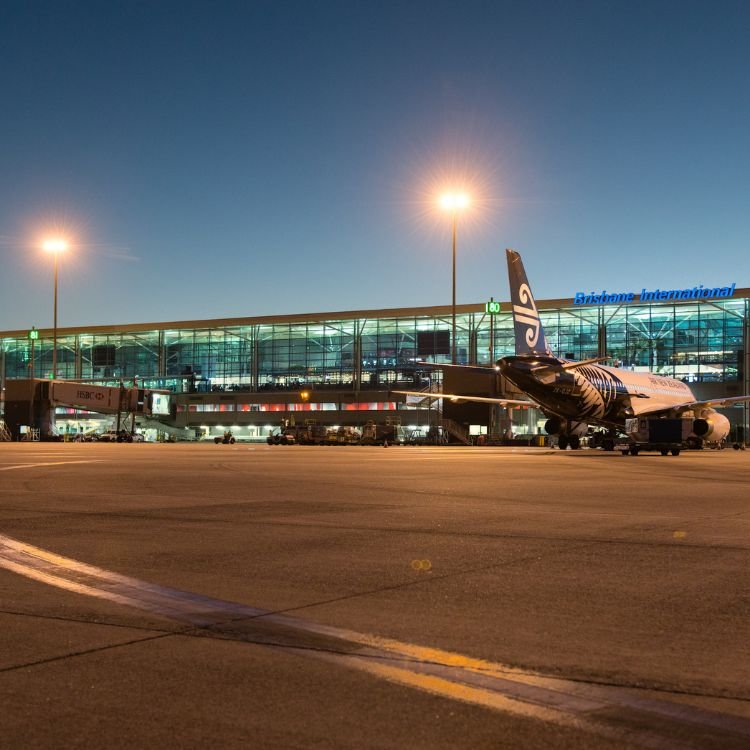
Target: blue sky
215,159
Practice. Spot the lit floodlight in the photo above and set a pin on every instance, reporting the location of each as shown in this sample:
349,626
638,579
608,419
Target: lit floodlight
55,245
454,201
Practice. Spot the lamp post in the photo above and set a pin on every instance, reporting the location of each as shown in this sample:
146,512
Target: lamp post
454,202
55,246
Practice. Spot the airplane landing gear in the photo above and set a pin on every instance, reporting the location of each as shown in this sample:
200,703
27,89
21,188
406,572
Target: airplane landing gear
563,441
568,432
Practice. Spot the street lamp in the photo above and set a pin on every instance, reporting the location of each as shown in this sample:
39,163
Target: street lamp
454,202
55,246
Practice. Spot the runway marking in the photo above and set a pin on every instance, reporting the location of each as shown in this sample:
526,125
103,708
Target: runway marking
35,457
603,710
50,463
35,454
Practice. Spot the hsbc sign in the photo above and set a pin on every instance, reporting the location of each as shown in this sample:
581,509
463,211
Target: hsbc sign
90,395
93,397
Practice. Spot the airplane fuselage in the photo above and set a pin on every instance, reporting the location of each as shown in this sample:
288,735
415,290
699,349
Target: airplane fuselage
592,392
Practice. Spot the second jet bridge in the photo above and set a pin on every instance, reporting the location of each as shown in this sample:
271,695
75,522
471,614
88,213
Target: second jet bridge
106,399
33,403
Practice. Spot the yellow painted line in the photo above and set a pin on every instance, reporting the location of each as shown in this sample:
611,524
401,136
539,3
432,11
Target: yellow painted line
466,693
49,463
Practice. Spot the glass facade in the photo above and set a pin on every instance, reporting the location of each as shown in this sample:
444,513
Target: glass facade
696,342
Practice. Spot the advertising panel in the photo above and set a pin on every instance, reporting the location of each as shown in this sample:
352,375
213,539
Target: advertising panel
91,397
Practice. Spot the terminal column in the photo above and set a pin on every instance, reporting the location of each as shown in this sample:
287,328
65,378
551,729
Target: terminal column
79,359
162,355
357,374
601,350
473,341
254,360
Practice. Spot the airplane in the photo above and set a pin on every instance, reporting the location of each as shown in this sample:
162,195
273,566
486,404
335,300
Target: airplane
576,394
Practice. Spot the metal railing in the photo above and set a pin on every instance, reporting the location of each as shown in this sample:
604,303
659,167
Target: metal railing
456,430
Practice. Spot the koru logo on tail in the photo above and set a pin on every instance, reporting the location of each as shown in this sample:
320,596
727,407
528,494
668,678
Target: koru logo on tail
526,313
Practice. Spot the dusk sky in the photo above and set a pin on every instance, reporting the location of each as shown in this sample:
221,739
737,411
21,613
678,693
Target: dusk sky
220,159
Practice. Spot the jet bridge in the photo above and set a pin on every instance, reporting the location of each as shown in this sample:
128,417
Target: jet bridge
33,403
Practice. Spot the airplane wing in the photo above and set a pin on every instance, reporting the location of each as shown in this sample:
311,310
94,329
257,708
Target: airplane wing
709,403
441,365
458,398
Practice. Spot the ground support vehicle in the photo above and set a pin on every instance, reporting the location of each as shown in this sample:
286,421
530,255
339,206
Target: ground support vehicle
311,433
426,436
284,436
382,434
227,439
123,436
274,438
343,436
663,435
300,434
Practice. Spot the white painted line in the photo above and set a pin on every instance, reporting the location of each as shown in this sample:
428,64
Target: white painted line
50,463
35,454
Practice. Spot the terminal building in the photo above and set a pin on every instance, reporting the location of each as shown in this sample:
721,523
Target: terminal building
340,368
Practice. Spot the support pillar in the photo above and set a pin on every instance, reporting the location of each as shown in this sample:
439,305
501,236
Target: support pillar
357,375
78,369
161,365
254,365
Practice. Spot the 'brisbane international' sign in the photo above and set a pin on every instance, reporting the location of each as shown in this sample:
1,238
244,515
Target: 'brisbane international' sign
655,295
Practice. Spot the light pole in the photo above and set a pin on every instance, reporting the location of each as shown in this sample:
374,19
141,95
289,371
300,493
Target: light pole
55,247
454,202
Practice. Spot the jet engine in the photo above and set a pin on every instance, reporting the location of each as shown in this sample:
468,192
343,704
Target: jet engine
713,427
553,426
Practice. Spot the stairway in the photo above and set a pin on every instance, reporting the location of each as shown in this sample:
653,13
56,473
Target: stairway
456,431
179,433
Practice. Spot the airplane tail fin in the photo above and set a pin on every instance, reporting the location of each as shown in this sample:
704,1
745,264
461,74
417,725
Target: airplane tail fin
530,337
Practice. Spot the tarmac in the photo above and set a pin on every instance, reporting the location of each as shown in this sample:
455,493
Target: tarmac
181,595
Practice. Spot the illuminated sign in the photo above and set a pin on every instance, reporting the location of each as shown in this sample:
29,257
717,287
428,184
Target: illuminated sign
33,334
492,307
655,295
